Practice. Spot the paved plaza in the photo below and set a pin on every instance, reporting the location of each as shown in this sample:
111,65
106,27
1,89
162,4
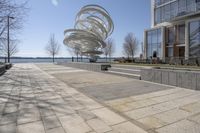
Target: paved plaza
47,98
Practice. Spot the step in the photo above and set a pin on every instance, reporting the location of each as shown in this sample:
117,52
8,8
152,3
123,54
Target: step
135,76
125,70
130,66
134,70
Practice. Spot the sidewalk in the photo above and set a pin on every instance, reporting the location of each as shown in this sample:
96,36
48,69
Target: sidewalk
32,101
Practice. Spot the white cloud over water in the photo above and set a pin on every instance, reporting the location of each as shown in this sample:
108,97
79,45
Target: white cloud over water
55,2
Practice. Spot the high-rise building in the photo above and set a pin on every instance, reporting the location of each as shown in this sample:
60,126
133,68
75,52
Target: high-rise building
175,30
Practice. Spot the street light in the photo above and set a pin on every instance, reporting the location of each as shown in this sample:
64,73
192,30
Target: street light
8,36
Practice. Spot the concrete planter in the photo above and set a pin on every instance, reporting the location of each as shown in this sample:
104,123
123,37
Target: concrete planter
97,67
179,78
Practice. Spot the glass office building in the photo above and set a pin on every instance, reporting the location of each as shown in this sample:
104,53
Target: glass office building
175,29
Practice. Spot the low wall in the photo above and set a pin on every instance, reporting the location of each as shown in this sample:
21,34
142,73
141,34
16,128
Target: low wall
2,69
179,78
8,65
97,67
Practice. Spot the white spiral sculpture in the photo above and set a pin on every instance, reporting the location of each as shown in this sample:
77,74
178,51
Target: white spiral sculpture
93,25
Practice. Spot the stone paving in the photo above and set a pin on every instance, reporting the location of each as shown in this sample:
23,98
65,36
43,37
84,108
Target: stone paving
38,99
162,109
33,101
102,86
169,111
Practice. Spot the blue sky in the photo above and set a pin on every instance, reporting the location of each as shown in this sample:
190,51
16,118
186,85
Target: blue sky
49,16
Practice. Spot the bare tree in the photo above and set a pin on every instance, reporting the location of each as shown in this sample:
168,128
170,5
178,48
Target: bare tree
109,49
130,45
15,10
75,51
12,16
53,47
13,49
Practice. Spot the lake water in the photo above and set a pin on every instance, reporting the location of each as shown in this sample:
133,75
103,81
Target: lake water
42,60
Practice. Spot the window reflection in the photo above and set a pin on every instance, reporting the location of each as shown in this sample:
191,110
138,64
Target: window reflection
170,41
194,32
181,34
166,10
154,43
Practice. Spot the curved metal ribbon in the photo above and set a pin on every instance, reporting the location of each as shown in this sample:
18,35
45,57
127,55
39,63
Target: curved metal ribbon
93,25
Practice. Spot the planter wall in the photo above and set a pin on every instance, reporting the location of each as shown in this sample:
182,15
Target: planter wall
179,78
97,67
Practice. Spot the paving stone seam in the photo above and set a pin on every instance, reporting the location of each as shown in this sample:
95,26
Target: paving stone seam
160,102
56,114
176,122
41,114
192,120
173,123
119,113
156,113
93,130
5,105
132,97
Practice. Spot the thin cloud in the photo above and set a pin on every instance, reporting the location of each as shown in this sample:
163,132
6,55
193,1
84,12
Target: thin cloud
55,2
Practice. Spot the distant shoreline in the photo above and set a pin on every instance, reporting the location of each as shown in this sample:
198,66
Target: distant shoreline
48,59
51,57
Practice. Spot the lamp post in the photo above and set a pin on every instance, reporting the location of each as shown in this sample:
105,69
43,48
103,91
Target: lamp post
8,36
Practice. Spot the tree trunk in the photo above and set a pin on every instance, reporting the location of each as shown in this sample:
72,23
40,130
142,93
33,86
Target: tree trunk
106,58
53,58
132,58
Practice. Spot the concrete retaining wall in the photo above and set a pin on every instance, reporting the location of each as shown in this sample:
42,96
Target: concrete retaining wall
2,69
97,67
179,78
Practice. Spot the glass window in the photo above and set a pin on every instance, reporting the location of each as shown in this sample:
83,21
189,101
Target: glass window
190,5
171,35
181,7
194,46
181,34
154,36
157,2
154,43
198,4
159,35
173,9
149,37
149,44
162,14
194,27
170,52
158,13
170,9
167,12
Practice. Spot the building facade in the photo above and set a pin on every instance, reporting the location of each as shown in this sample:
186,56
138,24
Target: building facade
175,30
